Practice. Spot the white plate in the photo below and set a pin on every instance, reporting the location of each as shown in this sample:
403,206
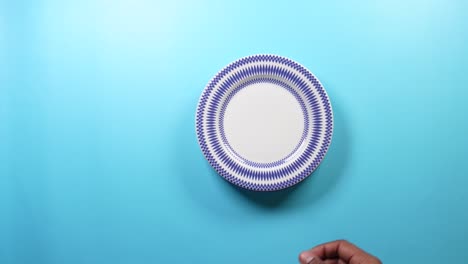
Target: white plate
264,122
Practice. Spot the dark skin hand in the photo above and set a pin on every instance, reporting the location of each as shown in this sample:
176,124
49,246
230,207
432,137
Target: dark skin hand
337,252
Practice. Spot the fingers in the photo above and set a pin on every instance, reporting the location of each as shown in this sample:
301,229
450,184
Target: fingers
307,258
342,250
334,261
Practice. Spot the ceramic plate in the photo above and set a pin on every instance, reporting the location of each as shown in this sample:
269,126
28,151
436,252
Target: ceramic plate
264,122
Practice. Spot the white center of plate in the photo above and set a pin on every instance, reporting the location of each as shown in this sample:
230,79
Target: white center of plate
263,122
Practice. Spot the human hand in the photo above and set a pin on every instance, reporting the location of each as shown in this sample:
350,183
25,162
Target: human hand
337,252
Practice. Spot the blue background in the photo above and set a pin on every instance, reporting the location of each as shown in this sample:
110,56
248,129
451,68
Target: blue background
98,156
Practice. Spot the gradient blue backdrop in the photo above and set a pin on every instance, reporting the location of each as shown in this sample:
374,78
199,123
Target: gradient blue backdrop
98,156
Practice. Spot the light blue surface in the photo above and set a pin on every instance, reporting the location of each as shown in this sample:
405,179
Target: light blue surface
98,156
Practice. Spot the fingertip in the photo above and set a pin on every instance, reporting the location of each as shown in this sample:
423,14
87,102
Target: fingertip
303,257
307,257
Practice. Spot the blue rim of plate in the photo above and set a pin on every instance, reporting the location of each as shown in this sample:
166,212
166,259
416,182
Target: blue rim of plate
264,176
